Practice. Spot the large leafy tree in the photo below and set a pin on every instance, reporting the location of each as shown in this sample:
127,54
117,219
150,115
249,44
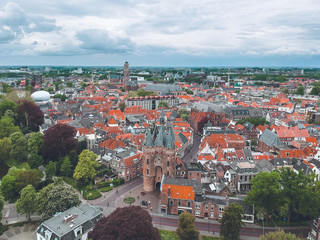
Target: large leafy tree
5,149
265,192
125,223
19,147
280,234
186,229
297,189
29,115
7,127
8,187
51,170
7,105
35,160
35,140
26,203
231,223
58,141
85,169
66,167
25,177
56,197
74,158
1,204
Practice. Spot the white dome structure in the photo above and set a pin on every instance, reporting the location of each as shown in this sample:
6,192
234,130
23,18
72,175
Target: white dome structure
40,96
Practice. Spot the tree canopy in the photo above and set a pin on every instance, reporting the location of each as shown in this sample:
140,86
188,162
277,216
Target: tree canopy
265,192
125,223
29,115
231,223
58,141
7,105
256,121
85,168
7,126
26,203
279,235
186,229
56,197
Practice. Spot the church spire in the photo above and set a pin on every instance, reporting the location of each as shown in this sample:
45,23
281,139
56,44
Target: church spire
149,142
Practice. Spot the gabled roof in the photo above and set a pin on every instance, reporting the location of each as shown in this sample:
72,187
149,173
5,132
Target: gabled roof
270,138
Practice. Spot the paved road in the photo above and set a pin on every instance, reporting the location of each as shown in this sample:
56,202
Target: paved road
192,154
109,198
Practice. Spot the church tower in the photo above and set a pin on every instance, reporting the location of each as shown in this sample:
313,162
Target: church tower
159,156
126,75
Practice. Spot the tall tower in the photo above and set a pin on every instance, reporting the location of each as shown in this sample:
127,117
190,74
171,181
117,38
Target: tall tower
159,156
126,75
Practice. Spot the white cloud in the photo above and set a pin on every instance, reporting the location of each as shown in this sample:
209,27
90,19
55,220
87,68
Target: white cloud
195,28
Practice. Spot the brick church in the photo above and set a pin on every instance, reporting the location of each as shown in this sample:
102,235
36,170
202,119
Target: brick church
159,156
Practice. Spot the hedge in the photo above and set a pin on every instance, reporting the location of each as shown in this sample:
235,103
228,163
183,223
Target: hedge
105,189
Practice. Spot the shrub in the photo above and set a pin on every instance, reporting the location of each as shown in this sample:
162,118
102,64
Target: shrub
90,195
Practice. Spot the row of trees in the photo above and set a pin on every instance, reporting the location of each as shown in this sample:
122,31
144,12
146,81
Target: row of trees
283,194
56,197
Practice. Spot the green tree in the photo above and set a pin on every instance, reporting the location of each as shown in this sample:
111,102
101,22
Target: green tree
231,223
51,170
8,187
62,97
286,91
35,160
25,177
296,196
56,197
279,235
315,91
300,91
66,167
163,104
26,203
74,158
1,204
186,229
265,192
19,147
85,169
35,140
184,114
7,105
7,127
122,106
5,149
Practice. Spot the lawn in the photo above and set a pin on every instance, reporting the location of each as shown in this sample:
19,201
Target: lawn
168,235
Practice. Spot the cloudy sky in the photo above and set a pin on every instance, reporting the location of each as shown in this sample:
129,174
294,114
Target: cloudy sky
160,32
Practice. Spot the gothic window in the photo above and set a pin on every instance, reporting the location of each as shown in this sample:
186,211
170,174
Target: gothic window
147,161
147,171
168,163
167,173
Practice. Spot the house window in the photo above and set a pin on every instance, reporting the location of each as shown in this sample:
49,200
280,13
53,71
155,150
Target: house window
147,161
179,203
212,207
211,215
206,206
168,163
221,208
171,202
197,213
197,205
167,173
147,171
189,204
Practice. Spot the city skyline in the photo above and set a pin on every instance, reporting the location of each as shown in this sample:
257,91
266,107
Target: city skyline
165,33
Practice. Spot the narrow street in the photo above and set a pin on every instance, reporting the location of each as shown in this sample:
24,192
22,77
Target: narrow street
192,154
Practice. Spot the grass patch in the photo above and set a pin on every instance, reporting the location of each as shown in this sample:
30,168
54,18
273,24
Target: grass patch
204,237
105,189
70,181
168,235
129,200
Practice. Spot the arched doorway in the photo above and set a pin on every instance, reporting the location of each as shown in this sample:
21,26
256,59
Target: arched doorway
206,215
158,185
